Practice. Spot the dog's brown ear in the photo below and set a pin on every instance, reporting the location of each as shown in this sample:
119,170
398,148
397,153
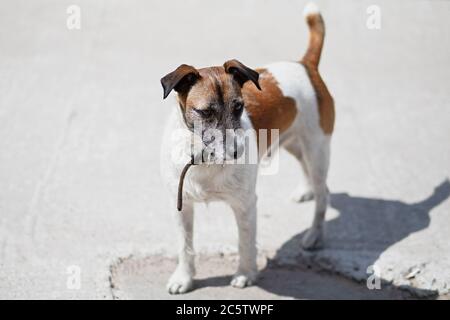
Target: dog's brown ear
241,73
179,80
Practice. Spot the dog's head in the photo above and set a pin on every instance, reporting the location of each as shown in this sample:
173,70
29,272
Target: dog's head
211,102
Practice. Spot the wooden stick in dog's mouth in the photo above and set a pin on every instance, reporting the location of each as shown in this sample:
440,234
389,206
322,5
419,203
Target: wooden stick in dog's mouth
194,161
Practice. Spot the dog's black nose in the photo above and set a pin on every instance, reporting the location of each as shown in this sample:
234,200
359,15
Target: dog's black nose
238,152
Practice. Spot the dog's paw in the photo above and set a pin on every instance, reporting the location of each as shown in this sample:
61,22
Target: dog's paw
241,280
313,239
300,195
179,282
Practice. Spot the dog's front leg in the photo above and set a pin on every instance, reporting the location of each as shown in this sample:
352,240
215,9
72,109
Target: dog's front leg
246,222
181,280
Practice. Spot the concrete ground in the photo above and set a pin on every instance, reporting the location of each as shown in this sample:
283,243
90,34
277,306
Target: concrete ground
82,210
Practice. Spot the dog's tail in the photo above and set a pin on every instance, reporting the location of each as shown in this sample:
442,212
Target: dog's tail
316,35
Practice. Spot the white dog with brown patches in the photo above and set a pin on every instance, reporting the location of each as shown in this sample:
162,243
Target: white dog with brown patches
227,102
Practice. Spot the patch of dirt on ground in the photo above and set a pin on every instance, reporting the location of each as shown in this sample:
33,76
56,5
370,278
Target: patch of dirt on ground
145,278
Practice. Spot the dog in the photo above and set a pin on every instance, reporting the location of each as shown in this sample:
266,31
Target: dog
289,97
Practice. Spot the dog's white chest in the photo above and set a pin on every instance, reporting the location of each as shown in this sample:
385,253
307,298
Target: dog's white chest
215,182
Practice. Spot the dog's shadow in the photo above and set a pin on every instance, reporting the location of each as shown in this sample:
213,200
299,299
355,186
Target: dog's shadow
367,225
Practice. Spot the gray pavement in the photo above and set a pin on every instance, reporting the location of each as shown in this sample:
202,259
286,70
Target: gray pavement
81,117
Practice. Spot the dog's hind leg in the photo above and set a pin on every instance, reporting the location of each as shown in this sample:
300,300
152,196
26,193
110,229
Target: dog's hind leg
317,159
181,280
303,192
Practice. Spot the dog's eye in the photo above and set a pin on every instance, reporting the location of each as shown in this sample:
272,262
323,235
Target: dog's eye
238,108
204,113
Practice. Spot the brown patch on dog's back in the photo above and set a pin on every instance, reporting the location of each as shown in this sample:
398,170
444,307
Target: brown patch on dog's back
268,108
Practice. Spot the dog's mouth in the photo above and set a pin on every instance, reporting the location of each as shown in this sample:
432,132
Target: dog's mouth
222,154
